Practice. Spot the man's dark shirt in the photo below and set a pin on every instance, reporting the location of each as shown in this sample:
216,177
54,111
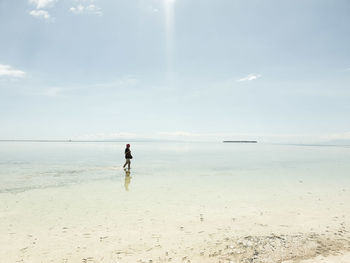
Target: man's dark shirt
128,153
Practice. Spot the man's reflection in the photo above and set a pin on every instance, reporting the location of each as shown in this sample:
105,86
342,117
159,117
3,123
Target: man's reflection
127,179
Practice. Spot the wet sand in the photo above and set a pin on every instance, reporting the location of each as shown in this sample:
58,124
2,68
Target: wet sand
102,222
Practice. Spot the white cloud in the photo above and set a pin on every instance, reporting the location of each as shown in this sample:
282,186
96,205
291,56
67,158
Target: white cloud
79,9
179,134
206,136
250,77
338,136
92,9
6,70
42,3
86,7
40,14
109,136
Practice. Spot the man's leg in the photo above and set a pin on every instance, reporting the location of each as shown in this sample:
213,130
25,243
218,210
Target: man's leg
128,163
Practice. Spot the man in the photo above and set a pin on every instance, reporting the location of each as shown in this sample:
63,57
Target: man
128,156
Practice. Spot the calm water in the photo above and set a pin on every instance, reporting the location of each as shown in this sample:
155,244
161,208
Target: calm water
240,167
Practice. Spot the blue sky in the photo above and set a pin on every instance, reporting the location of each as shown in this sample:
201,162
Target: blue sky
175,69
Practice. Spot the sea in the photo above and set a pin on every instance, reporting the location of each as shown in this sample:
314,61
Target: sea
213,166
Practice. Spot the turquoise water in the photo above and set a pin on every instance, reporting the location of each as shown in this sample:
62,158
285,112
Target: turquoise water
240,167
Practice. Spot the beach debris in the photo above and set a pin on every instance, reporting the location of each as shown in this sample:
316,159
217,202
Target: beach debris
88,259
277,247
24,249
102,238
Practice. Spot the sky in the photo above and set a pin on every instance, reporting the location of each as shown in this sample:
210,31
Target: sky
175,69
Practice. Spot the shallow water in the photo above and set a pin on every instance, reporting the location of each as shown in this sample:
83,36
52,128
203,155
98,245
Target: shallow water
262,167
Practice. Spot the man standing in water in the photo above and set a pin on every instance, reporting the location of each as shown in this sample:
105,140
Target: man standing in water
128,156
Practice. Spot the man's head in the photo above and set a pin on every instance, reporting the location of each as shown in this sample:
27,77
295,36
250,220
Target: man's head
128,146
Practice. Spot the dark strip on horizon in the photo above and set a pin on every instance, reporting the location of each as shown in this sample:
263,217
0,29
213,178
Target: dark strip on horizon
240,141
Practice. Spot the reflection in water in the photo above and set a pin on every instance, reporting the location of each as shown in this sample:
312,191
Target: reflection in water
127,179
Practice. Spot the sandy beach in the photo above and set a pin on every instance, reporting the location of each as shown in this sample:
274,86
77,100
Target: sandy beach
96,223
